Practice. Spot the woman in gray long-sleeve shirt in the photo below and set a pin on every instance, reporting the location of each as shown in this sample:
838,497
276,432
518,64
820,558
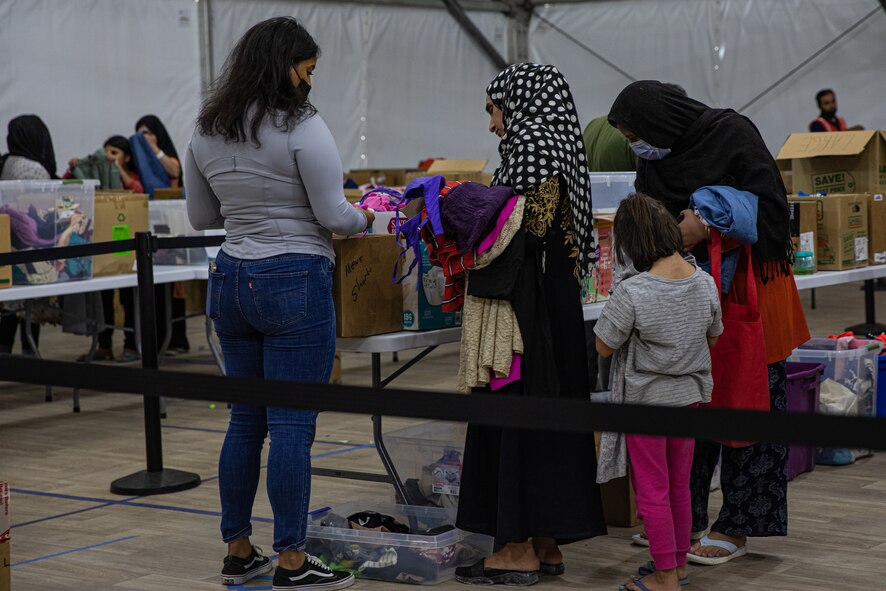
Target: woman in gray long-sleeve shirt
263,165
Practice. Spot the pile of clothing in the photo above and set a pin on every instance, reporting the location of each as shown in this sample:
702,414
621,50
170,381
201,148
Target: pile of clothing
63,225
475,234
381,199
388,562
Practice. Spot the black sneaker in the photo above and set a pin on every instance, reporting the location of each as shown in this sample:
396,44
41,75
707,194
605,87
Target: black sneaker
239,570
313,574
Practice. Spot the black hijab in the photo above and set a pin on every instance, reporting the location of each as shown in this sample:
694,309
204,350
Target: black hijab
164,142
708,147
29,138
542,140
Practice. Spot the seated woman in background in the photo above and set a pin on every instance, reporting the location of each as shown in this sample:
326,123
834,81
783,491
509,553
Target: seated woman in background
158,138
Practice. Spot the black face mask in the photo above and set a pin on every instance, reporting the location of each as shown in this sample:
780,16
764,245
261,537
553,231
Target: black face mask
829,114
304,88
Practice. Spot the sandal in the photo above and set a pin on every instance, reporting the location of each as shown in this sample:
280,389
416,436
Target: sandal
551,570
478,574
734,552
649,568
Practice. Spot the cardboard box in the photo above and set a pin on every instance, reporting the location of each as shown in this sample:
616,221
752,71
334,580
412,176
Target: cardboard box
386,177
456,170
842,231
836,162
353,195
423,296
5,246
118,216
168,193
5,561
804,226
367,301
596,287
877,229
619,499
335,378
385,223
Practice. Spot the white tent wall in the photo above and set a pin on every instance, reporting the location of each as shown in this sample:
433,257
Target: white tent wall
724,52
394,84
91,68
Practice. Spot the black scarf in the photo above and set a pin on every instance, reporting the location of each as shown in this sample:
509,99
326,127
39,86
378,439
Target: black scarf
29,138
708,147
543,140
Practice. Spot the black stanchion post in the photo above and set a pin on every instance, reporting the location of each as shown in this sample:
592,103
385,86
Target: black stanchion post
156,479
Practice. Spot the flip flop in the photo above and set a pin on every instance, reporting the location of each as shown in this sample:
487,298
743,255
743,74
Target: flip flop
649,568
734,552
639,585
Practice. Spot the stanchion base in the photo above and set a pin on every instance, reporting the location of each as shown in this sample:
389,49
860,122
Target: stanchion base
866,329
155,483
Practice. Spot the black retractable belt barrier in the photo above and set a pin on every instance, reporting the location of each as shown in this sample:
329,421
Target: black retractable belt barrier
156,479
523,412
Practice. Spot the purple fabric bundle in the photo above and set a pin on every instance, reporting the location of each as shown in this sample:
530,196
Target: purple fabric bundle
25,231
470,210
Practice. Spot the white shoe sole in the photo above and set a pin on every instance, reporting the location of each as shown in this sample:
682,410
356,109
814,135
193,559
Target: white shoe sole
240,579
342,584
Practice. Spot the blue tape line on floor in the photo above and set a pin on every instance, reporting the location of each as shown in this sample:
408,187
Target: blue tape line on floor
51,517
99,545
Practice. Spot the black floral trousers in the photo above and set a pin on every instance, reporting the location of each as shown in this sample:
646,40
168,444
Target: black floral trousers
753,479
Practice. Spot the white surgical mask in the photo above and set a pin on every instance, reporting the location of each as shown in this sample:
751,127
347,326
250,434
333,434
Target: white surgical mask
647,152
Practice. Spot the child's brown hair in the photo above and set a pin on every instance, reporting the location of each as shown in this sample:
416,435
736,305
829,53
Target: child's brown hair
645,231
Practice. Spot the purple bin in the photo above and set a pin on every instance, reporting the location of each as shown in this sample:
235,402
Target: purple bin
803,387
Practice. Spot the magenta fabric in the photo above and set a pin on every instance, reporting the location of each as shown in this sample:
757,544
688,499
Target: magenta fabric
660,469
498,383
503,216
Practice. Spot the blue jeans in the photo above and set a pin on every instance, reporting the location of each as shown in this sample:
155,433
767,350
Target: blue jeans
275,319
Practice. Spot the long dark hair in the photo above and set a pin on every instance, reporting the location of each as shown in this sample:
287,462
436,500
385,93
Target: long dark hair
255,82
122,144
645,231
164,142
29,138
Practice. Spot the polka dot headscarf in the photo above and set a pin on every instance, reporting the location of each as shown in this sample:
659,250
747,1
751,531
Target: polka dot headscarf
543,139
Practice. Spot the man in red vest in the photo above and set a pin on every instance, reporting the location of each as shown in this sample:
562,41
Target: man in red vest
828,120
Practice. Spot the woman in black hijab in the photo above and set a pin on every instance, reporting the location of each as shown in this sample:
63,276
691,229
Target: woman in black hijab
29,139
685,145
535,490
30,157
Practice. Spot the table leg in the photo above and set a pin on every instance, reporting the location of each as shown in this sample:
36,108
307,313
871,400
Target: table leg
29,337
378,437
870,325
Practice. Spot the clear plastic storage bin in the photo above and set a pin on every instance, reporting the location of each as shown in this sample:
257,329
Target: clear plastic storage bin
47,214
427,555
609,188
848,387
168,218
428,458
